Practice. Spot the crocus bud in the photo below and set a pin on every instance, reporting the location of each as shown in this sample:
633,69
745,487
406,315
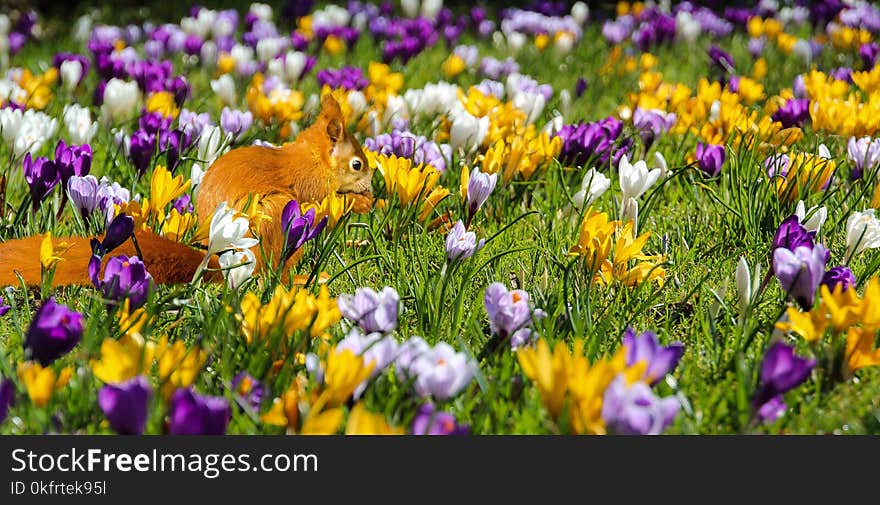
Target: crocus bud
743,284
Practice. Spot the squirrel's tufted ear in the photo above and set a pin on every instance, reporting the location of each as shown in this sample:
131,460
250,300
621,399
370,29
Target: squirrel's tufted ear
334,129
330,108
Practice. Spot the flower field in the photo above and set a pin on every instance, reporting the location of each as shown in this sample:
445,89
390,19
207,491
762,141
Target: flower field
418,218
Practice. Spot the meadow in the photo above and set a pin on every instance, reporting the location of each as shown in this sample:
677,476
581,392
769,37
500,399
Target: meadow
585,221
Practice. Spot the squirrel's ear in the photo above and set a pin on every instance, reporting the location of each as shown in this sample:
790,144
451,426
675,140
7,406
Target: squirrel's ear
330,107
334,129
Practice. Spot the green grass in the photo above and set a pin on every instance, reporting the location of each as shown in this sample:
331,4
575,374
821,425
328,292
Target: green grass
706,226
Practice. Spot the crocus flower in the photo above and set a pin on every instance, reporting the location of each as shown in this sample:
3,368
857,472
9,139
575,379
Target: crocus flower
461,244
792,234
3,307
441,372
41,175
817,218
119,100
579,87
652,123
480,186
794,112
249,389
298,228
72,160
634,409
635,178
710,158
864,153
839,276
141,148
124,277
377,351
78,124
721,58
119,230
429,421
54,331
125,405
237,266
510,314
862,232
593,185
194,414
800,271
7,397
781,371
235,122
373,312
868,53
645,348
228,231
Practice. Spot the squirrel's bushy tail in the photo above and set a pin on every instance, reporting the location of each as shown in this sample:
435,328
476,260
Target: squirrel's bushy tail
167,261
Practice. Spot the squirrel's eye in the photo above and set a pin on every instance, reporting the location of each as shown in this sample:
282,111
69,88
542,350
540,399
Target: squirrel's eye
356,164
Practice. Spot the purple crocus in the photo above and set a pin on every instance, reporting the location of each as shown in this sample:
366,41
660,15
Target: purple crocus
652,123
124,277
864,153
125,405
480,186
460,243
7,397
594,142
721,58
54,331
41,175
792,234
510,315
710,158
781,371
349,78
119,230
634,409
141,149
235,122
249,389
298,228
72,160
868,53
800,271
429,421
373,312
183,204
580,87
3,307
839,276
795,112
193,414
645,348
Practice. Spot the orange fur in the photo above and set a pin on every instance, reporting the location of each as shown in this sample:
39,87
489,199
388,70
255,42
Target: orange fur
312,167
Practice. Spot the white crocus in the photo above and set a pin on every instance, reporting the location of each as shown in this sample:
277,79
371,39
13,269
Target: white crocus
824,152
120,100
468,131
10,123
211,145
227,231
237,266
818,215
580,12
224,87
660,163
430,8
743,279
71,71
294,64
78,125
34,130
862,232
593,186
410,8
635,178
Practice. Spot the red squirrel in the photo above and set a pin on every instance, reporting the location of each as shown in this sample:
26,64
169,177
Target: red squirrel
324,158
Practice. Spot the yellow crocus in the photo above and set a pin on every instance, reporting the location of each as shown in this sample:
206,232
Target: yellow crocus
176,226
40,382
549,372
163,103
164,188
178,366
363,422
452,66
123,359
52,253
333,207
343,373
860,349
